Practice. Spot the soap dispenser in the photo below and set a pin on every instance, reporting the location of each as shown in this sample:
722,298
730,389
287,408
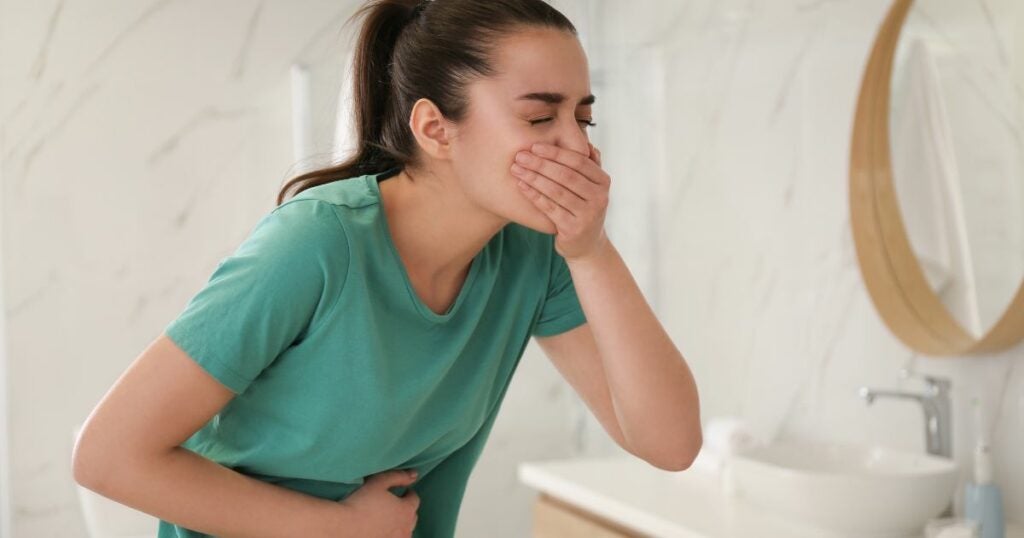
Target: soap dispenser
983,502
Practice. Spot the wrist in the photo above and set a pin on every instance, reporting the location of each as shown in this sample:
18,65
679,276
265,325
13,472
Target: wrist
335,519
602,252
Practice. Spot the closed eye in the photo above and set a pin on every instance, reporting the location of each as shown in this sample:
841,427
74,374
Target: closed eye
588,123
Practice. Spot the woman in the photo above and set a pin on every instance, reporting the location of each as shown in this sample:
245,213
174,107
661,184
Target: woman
370,324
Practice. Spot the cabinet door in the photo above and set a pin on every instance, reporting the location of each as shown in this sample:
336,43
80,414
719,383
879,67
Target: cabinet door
554,518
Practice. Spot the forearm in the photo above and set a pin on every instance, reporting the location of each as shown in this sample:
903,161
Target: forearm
191,491
652,389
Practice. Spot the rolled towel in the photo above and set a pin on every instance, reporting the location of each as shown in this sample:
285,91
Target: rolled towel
728,435
707,460
951,527
958,531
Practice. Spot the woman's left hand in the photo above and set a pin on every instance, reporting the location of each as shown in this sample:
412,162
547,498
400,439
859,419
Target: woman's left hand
572,190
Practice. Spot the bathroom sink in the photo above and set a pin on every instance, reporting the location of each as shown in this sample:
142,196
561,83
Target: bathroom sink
865,490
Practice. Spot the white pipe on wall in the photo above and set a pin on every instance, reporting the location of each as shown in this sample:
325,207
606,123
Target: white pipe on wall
344,128
5,459
302,114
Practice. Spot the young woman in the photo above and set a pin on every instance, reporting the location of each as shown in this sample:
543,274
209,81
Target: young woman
370,324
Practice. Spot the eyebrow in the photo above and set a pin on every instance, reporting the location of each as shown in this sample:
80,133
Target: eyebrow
554,98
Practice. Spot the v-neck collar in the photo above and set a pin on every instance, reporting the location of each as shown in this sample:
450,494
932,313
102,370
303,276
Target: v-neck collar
428,314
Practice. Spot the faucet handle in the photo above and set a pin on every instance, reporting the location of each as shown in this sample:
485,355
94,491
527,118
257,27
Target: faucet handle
939,384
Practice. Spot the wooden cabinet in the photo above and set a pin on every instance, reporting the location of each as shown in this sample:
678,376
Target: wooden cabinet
555,518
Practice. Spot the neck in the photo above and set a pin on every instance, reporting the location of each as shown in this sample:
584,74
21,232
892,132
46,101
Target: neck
436,229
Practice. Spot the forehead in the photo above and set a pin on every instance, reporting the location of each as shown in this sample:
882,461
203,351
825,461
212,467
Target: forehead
539,60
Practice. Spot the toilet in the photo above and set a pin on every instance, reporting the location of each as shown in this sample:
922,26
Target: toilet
106,518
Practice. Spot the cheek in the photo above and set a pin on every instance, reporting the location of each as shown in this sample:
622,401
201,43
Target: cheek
524,142
488,149
495,151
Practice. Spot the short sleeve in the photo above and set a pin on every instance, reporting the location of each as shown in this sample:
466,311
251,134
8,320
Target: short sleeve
267,294
561,308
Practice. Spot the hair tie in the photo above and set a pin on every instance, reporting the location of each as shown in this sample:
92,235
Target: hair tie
419,7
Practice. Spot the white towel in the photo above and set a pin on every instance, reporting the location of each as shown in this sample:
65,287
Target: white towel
723,437
957,532
728,435
951,527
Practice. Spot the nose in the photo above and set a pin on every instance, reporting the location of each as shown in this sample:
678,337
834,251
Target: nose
571,136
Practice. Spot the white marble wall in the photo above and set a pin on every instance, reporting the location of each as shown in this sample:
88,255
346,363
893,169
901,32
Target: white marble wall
731,126
140,141
5,459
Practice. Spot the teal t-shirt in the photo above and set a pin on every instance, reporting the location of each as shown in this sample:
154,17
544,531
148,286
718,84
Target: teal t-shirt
340,371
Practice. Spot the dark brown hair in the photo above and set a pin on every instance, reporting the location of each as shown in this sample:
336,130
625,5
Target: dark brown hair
405,53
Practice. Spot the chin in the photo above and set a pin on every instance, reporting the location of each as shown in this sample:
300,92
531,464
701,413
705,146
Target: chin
537,222
524,213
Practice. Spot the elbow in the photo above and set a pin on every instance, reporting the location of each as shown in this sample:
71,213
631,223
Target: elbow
675,464
86,468
82,469
678,456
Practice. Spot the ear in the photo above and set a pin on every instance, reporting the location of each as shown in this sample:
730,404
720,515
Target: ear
430,128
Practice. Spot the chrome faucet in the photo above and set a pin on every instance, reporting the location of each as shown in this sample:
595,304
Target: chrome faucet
938,426
935,402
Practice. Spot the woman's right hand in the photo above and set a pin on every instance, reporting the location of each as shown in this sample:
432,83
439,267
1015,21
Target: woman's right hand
376,512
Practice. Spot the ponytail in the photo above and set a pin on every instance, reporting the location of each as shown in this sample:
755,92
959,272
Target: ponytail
413,49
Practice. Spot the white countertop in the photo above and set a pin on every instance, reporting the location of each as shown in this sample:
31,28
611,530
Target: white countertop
686,504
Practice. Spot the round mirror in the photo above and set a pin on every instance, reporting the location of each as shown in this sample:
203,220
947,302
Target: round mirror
937,174
956,126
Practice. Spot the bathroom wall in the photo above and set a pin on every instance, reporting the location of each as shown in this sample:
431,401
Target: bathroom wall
139,143
5,460
730,128
1017,40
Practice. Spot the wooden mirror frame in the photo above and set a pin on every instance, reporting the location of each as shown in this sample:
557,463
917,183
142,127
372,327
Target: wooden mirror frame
891,272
